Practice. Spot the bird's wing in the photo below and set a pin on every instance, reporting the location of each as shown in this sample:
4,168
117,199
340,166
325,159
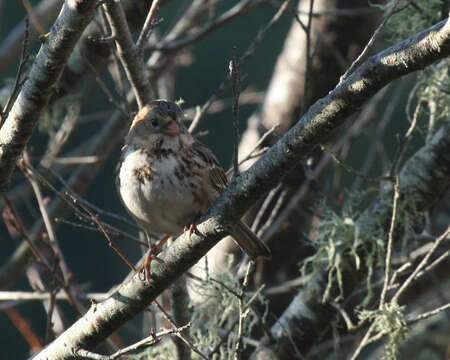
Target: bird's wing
217,176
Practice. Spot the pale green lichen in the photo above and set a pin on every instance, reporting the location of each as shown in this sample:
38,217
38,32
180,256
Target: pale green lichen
391,320
214,320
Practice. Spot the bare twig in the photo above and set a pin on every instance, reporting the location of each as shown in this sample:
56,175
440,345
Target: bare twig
150,340
23,326
179,302
369,46
274,213
178,333
19,81
421,265
47,221
256,152
71,194
350,170
50,334
82,200
130,58
250,51
263,208
364,342
105,89
32,14
239,9
38,256
308,56
406,140
10,47
429,313
390,244
345,316
235,76
394,173
242,310
110,242
21,296
148,24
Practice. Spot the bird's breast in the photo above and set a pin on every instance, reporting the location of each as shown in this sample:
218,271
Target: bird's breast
157,192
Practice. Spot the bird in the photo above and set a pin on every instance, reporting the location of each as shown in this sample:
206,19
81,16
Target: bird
166,178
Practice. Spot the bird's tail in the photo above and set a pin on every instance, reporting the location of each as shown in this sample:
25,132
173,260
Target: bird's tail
249,242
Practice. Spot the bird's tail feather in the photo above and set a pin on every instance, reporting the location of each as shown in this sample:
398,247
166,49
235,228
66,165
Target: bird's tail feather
249,242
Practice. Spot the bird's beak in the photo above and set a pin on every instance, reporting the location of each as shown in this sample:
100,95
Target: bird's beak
172,129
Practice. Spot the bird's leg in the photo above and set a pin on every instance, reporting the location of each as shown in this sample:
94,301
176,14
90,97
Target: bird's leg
153,251
192,228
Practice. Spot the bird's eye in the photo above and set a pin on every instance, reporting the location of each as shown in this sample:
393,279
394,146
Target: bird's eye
154,122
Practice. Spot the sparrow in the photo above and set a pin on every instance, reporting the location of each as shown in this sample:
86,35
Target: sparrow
166,178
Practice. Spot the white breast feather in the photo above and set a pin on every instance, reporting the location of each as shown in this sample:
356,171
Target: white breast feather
159,204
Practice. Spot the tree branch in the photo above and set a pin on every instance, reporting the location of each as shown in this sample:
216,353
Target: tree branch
129,56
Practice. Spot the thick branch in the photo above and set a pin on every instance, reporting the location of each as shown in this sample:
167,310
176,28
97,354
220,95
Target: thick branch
49,63
324,116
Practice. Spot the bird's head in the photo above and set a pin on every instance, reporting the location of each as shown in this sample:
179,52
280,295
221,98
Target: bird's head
156,119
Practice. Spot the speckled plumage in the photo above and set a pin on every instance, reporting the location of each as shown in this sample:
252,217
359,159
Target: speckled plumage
165,177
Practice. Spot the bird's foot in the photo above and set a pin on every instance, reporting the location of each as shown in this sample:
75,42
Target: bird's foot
152,255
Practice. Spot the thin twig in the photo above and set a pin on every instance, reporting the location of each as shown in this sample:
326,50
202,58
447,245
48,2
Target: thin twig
250,51
105,89
274,213
150,340
396,184
345,316
87,203
406,140
110,242
387,270
18,83
308,56
369,46
235,76
50,334
243,309
71,194
363,342
353,171
178,333
111,229
47,221
148,24
239,9
255,152
429,313
263,208
129,56
419,267
37,255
